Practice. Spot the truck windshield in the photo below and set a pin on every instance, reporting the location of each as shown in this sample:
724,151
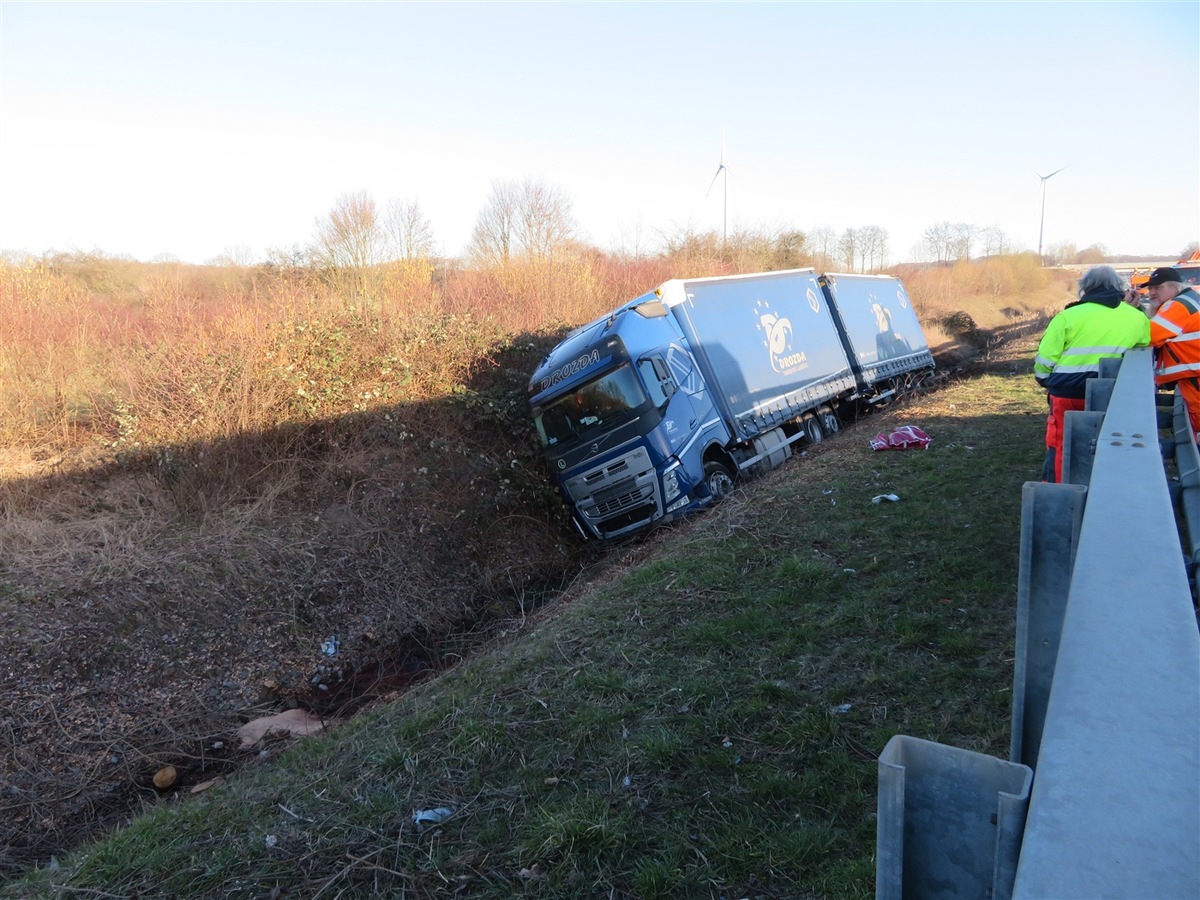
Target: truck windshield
596,406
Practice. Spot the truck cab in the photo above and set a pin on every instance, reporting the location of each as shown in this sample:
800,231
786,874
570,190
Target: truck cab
623,416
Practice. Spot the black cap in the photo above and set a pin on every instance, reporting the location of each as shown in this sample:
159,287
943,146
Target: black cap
1162,276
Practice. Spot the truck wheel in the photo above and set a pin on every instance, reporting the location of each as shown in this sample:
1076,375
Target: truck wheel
718,479
829,420
812,430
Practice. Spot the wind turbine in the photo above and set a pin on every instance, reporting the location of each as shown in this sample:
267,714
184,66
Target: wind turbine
724,187
1042,225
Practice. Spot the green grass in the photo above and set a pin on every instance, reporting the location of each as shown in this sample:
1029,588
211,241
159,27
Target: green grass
705,721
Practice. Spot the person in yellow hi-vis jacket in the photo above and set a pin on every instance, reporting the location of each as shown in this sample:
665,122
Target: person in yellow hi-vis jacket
1102,324
1175,335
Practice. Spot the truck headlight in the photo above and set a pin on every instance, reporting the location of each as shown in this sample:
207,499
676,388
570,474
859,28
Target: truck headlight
671,483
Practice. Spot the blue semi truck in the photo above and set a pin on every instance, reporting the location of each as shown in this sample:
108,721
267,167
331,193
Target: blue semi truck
656,408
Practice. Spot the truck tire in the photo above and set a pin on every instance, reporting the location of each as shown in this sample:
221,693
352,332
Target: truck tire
718,479
829,420
812,429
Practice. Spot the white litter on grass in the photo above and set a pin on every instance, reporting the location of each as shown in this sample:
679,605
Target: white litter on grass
437,816
881,497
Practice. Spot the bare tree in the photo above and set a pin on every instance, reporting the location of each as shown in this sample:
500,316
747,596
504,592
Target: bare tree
288,259
995,241
874,249
790,250
546,221
494,237
690,247
631,242
350,237
849,248
823,242
521,219
237,256
962,240
1061,253
939,239
408,233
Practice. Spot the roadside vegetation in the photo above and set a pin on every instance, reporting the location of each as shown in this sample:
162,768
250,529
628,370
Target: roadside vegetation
702,718
230,490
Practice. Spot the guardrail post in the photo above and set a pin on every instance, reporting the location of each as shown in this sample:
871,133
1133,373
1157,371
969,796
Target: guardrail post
949,823
1080,431
1098,392
1051,515
1081,428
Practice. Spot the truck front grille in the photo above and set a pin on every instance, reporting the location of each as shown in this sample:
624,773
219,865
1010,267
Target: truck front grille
615,489
620,496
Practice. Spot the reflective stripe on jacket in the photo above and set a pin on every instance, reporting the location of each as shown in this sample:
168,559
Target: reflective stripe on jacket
1175,332
1079,337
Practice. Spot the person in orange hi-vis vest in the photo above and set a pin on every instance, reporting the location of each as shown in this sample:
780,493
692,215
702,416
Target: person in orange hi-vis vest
1174,309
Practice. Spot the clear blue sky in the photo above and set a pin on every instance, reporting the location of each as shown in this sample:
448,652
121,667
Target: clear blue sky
190,129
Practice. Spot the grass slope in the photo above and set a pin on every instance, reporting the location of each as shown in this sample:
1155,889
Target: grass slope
702,721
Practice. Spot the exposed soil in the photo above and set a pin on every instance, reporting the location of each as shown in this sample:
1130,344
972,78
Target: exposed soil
107,684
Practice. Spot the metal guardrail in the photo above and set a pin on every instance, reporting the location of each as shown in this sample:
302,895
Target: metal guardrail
1106,698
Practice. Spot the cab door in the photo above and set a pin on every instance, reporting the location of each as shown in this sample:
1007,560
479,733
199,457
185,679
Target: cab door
676,388
673,404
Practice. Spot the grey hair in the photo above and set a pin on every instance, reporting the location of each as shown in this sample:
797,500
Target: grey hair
1102,278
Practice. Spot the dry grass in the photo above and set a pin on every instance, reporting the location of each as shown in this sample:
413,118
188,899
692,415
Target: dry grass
702,719
206,472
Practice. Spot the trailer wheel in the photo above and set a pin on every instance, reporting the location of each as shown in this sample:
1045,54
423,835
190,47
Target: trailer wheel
812,429
718,479
829,420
